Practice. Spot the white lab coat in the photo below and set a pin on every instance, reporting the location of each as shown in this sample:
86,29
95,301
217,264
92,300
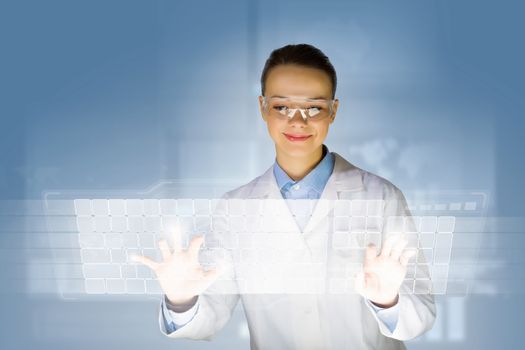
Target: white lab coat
317,320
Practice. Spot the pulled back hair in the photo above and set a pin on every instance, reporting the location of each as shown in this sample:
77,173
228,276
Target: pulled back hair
300,54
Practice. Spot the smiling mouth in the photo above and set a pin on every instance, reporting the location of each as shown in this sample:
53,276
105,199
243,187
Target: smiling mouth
296,138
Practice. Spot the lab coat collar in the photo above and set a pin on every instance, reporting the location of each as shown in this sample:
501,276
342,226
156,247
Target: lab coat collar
345,177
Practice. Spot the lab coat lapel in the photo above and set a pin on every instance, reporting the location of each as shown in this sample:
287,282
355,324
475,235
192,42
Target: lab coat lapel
345,178
267,189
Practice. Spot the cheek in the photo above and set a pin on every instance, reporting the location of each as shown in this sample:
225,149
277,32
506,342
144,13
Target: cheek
273,129
321,130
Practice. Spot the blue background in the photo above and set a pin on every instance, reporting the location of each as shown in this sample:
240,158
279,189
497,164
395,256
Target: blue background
120,94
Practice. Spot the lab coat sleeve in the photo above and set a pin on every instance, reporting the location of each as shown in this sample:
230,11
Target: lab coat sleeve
216,304
388,316
175,320
416,309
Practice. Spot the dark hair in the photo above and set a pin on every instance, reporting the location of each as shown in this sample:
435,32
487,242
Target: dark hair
300,54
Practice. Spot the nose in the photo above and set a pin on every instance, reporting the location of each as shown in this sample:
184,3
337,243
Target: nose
291,115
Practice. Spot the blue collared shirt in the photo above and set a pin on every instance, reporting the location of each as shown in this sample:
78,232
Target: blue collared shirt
309,187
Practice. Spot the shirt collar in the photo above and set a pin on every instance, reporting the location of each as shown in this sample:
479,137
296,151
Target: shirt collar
315,179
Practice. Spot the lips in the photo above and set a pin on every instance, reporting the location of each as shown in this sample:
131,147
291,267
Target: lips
296,137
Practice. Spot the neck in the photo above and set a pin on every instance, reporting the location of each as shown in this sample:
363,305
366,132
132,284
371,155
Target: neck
299,167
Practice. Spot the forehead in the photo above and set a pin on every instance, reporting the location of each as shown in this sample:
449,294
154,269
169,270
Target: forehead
294,80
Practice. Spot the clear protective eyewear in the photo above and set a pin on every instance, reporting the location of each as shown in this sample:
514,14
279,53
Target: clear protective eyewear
286,107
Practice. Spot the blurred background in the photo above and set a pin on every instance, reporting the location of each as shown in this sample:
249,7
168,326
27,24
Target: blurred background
112,95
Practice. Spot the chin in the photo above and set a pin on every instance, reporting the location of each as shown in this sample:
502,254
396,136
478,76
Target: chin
298,150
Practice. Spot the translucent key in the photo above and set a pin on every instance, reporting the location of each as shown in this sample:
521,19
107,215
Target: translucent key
151,207
422,287
373,238
342,208
83,207
202,206
169,223
130,240
443,247
249,256
340,240
358,207
253,206
152,224
341,224
185,206
426,240
91,240
129,271
113,240
220,223
117,207
374,224
146,240
135,286
119,224
395,224
102,224
135,224
118,256
134,207
153,287
374,207
357,224
236,206
245,240
168,206
85,224
412,224
338,285
116,286
100,207
428,224
95,255
144,272
446,224
424,256
202,223
95,286
238,223
101,271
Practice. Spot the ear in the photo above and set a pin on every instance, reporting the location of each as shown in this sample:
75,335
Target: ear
261,108
334,112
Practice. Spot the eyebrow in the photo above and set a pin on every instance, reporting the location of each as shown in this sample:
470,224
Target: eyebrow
310,98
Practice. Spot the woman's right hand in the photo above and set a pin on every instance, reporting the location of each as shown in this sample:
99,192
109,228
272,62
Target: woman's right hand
180,274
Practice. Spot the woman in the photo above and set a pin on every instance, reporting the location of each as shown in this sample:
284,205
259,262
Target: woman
378,310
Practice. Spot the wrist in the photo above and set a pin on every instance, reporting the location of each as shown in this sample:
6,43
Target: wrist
386,304
180,305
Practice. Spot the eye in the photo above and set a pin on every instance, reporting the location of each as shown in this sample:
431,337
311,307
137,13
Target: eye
313,111
280,109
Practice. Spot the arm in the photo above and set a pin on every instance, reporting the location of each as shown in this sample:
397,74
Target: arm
382,280
184,281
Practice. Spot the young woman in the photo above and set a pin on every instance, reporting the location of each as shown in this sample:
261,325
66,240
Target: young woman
378,310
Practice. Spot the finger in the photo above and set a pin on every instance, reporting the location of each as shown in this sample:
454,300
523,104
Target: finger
177,239
388,243
370,253
164,249
194,246
406,256
397,249
145,261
